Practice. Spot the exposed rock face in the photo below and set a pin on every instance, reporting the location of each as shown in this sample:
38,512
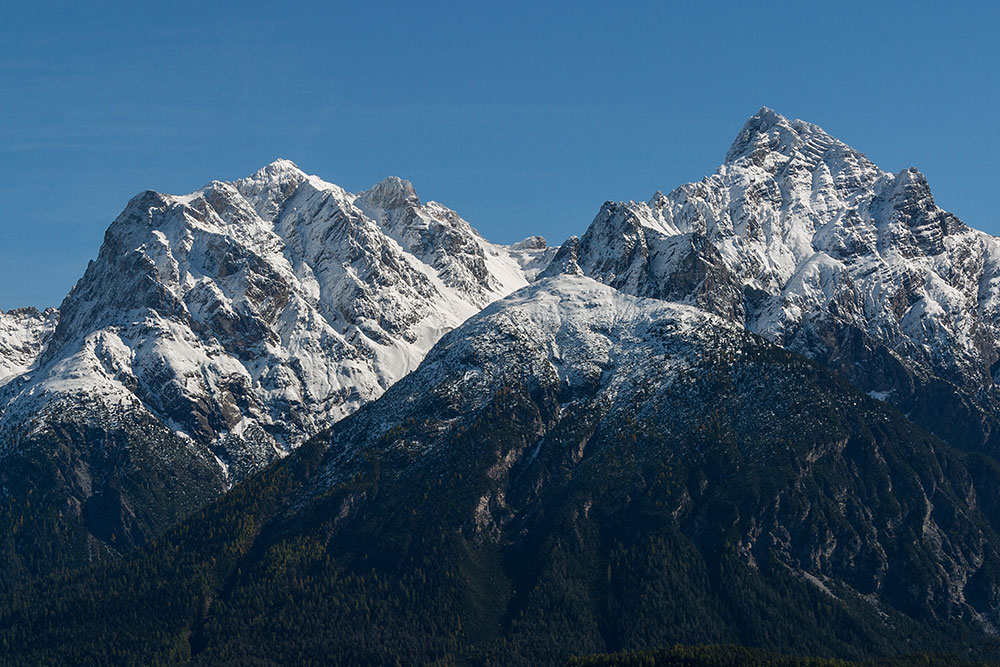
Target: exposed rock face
239,320
247,314
219,330
590,472
802,239
24,333
571,404
610,444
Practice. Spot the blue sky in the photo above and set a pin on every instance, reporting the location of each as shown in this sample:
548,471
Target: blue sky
524,117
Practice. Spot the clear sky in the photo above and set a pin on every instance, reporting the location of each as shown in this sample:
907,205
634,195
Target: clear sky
524,117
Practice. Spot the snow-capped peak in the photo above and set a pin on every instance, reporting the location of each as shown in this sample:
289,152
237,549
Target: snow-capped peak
390,193
277,173
248,315
768,131
269,187
23,335
770,140
801,238
279,166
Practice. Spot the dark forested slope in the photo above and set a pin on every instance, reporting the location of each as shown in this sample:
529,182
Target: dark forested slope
572,471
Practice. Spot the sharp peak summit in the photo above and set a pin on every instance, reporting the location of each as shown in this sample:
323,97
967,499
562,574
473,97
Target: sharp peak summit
281,164
280,167
767,119
391,192
769,131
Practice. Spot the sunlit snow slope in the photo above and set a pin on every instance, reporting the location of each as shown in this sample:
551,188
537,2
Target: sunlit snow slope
246,316
804,240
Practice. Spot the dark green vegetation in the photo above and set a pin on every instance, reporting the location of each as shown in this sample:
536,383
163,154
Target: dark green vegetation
755,500
727,656
963,414
75,494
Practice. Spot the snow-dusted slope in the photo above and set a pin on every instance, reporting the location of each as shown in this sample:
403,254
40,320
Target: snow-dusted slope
803,240
23,335
572,391
589,348
248,315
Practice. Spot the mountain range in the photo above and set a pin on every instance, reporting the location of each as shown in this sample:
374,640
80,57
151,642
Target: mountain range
801,239
217,331
760,409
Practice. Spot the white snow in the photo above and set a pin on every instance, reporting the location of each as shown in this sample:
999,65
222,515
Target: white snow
249,315
813,228
260,310
23,334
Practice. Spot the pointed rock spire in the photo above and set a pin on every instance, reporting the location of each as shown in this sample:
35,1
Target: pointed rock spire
565,262
764,129
277,169
391,192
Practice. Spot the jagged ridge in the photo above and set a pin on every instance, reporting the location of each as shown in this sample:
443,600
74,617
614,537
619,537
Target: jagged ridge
225,327
802,239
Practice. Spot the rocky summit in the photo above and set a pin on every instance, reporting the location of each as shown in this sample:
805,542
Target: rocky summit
801,239
761,409
227,326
